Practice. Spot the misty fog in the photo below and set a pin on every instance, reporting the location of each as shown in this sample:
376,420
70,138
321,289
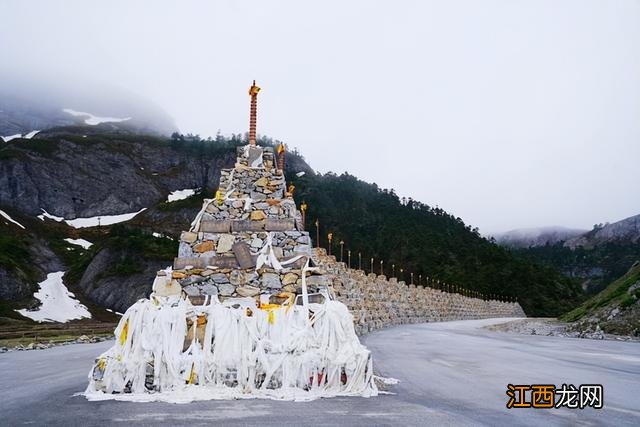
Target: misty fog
506,113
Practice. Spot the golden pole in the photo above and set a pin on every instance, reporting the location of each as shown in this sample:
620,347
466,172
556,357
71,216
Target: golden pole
253,92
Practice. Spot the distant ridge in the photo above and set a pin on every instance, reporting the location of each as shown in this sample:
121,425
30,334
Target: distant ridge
536,236
627,230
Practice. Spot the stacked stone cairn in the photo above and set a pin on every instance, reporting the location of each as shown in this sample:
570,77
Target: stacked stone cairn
376,301
249,309
253,214
244,312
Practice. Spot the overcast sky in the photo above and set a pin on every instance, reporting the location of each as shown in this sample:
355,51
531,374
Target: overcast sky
506,113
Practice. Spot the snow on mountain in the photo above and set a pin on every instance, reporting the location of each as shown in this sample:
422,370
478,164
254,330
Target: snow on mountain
10,137
38,100
28,135
46,214
92,221
181,194
85,244
7,217
94,120
58,304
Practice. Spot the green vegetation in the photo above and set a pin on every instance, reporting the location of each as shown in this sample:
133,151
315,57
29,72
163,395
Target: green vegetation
601,264
616,294
417,238
133,245
426,241
14,255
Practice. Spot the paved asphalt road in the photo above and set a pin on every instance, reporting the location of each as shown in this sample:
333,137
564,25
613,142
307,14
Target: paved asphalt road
450,373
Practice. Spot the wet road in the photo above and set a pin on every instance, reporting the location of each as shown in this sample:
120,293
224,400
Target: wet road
451,373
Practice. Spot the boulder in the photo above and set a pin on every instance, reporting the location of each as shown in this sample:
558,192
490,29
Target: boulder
188,236
226,289
258,215
247,291
289,279
271,280
205,246
225,242
219,278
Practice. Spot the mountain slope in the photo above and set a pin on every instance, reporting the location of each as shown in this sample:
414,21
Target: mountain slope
426,241
112,171
615,310
595,258
627,230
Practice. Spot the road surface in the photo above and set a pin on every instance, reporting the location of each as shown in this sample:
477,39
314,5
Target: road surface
451,373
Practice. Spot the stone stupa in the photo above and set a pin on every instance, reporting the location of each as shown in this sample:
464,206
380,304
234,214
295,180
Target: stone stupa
243,312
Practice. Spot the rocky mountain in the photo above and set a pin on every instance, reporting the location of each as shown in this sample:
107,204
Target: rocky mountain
594,258
540,236
614,310
71,184
626,230
87,174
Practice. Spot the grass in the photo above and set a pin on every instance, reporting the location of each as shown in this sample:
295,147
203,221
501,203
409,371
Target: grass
615,293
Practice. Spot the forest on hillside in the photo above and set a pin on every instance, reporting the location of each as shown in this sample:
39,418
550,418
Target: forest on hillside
434,245
595,266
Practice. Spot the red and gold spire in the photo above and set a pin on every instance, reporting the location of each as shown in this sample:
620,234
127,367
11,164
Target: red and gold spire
253,92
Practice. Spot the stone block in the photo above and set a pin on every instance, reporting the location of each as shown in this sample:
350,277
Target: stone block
191,290
226,289
243,255
165,286
289,279
188,236
240,278
247,291
223,262
184,250
258,215
275,224
205,246
261,182
271,280
225,243
208,289
255,156
299,263
215,226
245,225
219,278
318,280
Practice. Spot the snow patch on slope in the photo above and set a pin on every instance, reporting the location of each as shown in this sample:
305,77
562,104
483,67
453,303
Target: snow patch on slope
101,220
58,304
80,242
7,217
46,214
94,120
93,221
10,137
19,135
181,194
